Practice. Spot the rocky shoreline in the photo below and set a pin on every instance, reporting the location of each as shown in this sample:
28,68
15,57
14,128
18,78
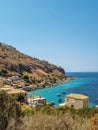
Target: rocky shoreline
68,79
18,83
21,71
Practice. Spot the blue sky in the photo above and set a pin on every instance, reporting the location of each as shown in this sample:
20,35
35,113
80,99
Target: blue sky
63,32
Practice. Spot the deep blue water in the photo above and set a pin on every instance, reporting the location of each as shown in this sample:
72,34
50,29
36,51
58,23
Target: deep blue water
86,83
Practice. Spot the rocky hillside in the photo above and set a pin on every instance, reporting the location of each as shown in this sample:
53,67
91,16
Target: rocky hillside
17,62
39,72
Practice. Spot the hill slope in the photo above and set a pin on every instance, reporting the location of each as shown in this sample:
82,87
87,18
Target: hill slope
14,62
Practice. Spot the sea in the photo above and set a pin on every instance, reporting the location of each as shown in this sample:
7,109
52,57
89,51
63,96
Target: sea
85,83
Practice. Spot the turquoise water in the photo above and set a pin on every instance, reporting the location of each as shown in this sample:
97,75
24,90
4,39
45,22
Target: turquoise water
86,83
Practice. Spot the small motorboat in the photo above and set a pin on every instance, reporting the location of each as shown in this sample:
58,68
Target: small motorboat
60,100
63,92
51,103
97,106
58,94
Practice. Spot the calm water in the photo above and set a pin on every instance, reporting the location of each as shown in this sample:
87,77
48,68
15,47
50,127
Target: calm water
86,83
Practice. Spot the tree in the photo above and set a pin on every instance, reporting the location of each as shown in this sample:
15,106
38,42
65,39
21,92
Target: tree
26,78
9,109
19,97
3,72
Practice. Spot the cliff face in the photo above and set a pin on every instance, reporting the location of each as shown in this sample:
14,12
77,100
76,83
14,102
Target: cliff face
18,63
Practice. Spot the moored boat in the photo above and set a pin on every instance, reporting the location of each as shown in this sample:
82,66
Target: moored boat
60,100
58,94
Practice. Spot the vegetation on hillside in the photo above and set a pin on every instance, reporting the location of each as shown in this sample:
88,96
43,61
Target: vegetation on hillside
12,117
35,72
10,111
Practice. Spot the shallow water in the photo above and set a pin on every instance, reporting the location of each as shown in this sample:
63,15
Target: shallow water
86,83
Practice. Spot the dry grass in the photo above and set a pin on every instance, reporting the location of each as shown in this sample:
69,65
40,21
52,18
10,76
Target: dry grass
93,123
53,122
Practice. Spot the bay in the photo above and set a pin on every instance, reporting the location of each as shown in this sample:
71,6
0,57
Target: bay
85,83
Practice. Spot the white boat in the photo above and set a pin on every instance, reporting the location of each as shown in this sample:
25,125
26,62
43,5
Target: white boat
63,104
97,106
58,94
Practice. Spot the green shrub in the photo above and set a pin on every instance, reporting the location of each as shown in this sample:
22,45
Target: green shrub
3,72
26,78
9,109
19,97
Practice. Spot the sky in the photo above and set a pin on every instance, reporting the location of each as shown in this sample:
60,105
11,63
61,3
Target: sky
63,32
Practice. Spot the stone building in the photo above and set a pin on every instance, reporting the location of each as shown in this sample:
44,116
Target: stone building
76,100
13,92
